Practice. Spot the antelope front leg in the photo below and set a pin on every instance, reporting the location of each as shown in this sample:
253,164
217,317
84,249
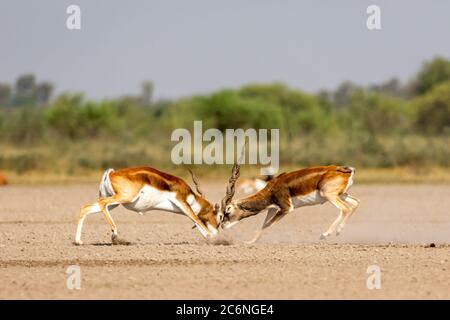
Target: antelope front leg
270,214
187,210
271,218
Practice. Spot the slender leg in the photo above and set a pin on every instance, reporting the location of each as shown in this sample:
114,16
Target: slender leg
344,211
187,210
272,217
333,226
353,203
104,204
270,214
113,201
85,211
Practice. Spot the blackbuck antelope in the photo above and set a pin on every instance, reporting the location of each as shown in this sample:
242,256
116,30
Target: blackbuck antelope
287,191
252,185
144,189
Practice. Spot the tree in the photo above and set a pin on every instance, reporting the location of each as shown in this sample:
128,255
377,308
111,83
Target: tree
43,93
5,94
433,110
302,112
225,109
25,90
391,87
24,125
63,115
147,93
344,93
432,74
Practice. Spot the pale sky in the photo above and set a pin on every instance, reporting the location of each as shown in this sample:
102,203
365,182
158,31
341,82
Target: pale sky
195,46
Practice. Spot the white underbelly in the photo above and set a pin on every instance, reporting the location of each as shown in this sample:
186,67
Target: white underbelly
150,198
309,199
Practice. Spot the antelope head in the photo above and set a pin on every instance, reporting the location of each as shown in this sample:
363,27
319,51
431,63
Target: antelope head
229,208
209,214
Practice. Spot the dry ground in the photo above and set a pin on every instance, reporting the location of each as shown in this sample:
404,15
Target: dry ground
168,259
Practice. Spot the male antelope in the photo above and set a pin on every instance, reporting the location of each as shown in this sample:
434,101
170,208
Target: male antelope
144,189
284,193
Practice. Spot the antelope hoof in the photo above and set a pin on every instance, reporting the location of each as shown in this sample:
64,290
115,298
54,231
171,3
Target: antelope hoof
338,232
78,242
323,236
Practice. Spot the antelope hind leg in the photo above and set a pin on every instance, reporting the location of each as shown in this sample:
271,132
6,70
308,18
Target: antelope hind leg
353,204
344,211
113,202
84,212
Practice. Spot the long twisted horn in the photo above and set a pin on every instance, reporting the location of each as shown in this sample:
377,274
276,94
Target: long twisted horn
231,186
197,186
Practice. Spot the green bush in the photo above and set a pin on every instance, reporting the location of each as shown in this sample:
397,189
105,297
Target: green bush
24,125
432,74
21,163
433,110
301,113
376,126
225,109
73,118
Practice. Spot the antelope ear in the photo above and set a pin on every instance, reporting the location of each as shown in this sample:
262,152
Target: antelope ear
216,208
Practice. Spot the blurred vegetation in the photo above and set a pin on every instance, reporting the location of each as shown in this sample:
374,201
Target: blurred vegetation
386,125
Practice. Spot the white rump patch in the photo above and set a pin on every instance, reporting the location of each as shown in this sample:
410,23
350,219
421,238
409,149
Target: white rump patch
105,189
350,180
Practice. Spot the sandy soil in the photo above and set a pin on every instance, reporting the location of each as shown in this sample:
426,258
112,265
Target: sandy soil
167,259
